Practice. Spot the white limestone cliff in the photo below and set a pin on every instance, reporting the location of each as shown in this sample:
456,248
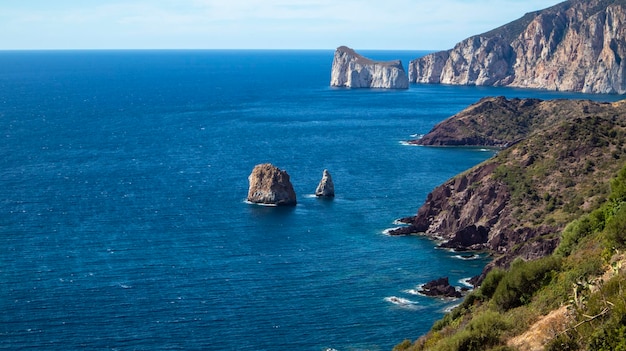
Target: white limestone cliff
578,45
351,70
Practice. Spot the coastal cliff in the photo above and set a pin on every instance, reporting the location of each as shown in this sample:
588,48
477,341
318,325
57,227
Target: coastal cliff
578,45
351,70
550,208
517,203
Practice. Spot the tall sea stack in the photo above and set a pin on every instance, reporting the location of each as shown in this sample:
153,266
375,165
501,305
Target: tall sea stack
352,70
325,188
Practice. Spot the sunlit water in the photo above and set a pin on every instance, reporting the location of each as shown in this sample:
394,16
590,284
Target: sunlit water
123,221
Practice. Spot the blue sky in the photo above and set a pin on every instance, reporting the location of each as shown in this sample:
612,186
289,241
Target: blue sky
251,24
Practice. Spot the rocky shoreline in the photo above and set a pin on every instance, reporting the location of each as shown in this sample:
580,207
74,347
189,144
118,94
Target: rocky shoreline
501,205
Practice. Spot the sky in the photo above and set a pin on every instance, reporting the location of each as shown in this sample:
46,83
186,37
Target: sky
252,24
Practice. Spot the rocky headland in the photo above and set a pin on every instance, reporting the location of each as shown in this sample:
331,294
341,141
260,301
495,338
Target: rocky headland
351,70
553,155
270,185
577,45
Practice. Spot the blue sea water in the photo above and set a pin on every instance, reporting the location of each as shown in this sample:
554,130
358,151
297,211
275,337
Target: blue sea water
123,221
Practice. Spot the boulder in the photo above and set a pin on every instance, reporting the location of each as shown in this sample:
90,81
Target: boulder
325,188
270,185
351,70
440,288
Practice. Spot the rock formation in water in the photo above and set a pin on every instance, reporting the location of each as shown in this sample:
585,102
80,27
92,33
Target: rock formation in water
440,288
578,45
270,185
547,173
325,188
352,70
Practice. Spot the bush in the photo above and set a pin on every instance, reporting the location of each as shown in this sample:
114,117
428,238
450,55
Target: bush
616,228
522,281
482,332
576,230
490,283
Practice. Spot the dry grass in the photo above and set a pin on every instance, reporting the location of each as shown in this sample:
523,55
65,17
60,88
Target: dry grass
542,331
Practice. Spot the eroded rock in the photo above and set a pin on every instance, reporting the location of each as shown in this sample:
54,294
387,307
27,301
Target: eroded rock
325,188
351,70
270,185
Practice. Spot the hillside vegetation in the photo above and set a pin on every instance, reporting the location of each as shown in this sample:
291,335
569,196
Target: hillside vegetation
574,299
552,207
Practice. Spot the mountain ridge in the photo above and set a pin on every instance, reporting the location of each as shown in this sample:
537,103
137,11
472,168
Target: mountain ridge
573,46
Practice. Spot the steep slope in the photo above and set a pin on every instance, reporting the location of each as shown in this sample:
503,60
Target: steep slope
517,203
578,45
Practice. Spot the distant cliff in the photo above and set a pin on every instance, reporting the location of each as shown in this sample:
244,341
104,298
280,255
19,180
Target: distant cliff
578,45
352,70
517,203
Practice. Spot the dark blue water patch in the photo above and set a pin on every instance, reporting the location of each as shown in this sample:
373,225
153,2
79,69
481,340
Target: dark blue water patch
123,220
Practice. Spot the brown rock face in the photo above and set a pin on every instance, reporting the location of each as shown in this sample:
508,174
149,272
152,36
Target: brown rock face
270,186
517,203
578,45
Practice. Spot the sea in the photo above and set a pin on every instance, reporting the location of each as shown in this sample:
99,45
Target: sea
123,216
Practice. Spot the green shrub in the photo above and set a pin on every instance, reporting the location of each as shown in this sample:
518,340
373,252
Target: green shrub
482,332
518,286
563,342
618,187
490,283
576,230
616,228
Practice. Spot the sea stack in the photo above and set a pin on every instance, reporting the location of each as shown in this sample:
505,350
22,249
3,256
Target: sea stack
326,188
270,185
352,70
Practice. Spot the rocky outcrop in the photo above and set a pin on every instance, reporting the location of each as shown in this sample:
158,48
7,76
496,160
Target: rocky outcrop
352,70
270,185
491,122
578,45
440,288
517,203
325,188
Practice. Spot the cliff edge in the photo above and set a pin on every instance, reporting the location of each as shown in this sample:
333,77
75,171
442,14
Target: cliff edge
517,203
351,70
578,45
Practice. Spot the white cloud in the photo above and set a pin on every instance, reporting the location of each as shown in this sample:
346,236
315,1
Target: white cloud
399,24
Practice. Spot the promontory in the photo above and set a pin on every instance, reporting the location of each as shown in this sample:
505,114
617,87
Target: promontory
351,70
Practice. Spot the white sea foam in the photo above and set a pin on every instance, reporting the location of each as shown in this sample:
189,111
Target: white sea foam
467,257
450,308
415,291
399,223
401,302
466,282
389,230
258,204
